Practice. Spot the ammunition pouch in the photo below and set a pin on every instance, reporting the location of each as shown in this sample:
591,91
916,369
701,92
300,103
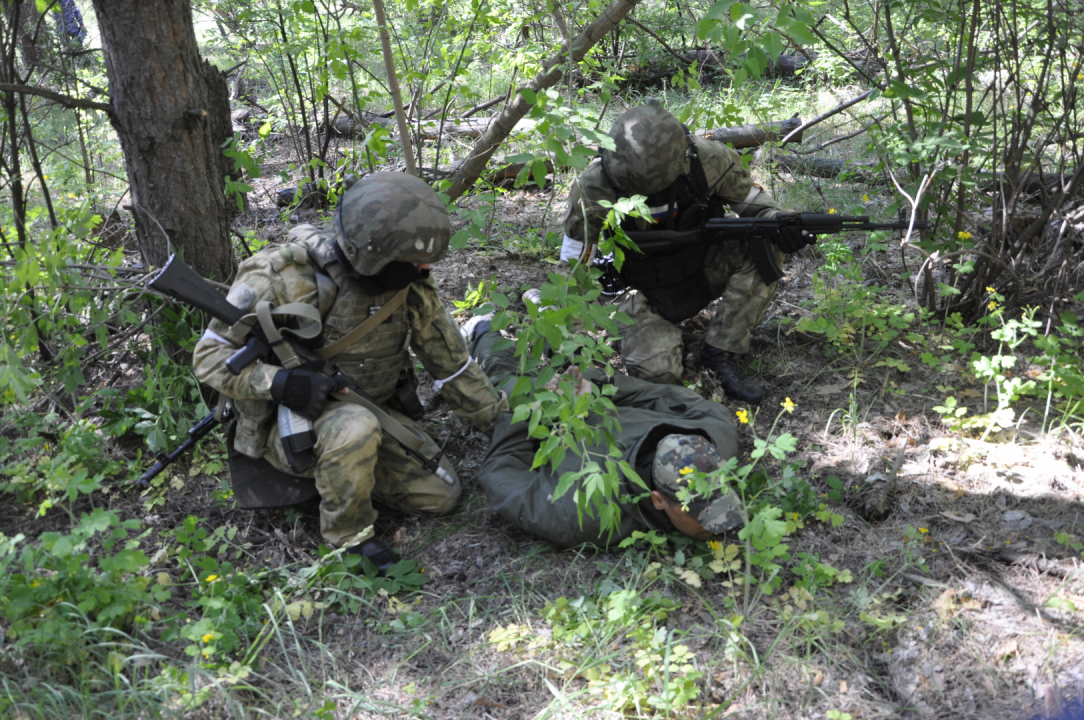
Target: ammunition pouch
406,395
298,438
252,427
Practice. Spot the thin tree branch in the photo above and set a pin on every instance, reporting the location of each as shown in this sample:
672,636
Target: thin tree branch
658,39
65,100
821,118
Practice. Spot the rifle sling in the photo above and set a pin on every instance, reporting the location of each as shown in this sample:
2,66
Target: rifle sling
329,351
388,424
289,359
308,319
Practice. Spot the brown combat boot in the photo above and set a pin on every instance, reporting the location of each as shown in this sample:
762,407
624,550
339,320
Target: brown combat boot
725,366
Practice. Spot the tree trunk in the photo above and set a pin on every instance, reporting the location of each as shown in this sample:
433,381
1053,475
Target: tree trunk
171,113
551,72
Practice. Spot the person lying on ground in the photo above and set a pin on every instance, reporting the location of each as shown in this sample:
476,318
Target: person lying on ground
667,432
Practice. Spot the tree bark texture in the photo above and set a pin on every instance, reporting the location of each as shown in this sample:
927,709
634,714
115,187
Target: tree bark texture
551,72
171,113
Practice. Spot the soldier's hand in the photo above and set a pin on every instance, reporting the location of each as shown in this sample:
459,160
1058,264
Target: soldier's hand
792,239
303,391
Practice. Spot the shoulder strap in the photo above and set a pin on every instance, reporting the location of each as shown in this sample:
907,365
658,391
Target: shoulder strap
307,317
329,351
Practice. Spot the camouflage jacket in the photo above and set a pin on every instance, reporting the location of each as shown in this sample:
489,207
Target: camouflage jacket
647,412
730,183
306,271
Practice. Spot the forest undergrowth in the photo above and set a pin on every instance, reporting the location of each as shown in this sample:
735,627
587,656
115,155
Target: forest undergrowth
913,482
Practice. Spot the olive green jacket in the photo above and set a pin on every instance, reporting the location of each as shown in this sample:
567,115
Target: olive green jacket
647,412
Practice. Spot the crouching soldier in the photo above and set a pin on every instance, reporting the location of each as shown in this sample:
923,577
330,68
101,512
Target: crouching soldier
369,298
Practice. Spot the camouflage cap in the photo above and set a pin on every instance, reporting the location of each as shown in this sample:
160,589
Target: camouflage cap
718,512
651,150
390,216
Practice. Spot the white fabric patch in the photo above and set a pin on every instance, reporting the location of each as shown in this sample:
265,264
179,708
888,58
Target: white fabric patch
210,334
438,384
571,249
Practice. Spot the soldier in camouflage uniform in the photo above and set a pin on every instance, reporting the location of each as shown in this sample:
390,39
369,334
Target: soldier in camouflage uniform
664,429
657,157
388,228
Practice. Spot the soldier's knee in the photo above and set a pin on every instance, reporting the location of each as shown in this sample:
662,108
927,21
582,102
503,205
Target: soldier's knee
651,350
444,503
346,429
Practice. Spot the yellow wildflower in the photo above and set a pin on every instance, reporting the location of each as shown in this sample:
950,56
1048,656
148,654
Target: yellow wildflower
743,416
686,470
788,405
684,507
964,235
991,289
211,578
208,637
923,530
831,211
865,198
715,544
993,305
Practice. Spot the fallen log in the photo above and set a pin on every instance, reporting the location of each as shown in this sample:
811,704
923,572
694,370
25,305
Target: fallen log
347,127
747,136
1032,188
1040,183
504,176
787,65
825,168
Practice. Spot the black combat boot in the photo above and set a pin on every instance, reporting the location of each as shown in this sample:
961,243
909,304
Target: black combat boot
725,366
378,553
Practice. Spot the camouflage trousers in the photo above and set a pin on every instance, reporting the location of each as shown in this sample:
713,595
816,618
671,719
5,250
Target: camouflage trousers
356,465
651,346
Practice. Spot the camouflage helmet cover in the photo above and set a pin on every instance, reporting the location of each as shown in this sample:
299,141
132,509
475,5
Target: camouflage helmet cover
389,216
651,150
718,512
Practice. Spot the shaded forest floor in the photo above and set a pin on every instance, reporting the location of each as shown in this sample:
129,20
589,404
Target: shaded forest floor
960,603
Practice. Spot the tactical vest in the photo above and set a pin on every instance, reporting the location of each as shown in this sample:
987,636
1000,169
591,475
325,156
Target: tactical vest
673,279
379,358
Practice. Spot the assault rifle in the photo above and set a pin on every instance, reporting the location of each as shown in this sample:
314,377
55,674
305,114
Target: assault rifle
196,433
758,232
182,283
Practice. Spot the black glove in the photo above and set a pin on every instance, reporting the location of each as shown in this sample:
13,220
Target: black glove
303,391
792,239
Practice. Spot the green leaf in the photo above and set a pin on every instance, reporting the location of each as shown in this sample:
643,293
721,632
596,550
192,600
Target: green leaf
529,95
773,45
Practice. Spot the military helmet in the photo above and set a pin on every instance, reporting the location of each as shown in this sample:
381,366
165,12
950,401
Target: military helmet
651,150
719,511
389,216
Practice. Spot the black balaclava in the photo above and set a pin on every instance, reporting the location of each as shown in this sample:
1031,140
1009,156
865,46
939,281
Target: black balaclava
393,277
